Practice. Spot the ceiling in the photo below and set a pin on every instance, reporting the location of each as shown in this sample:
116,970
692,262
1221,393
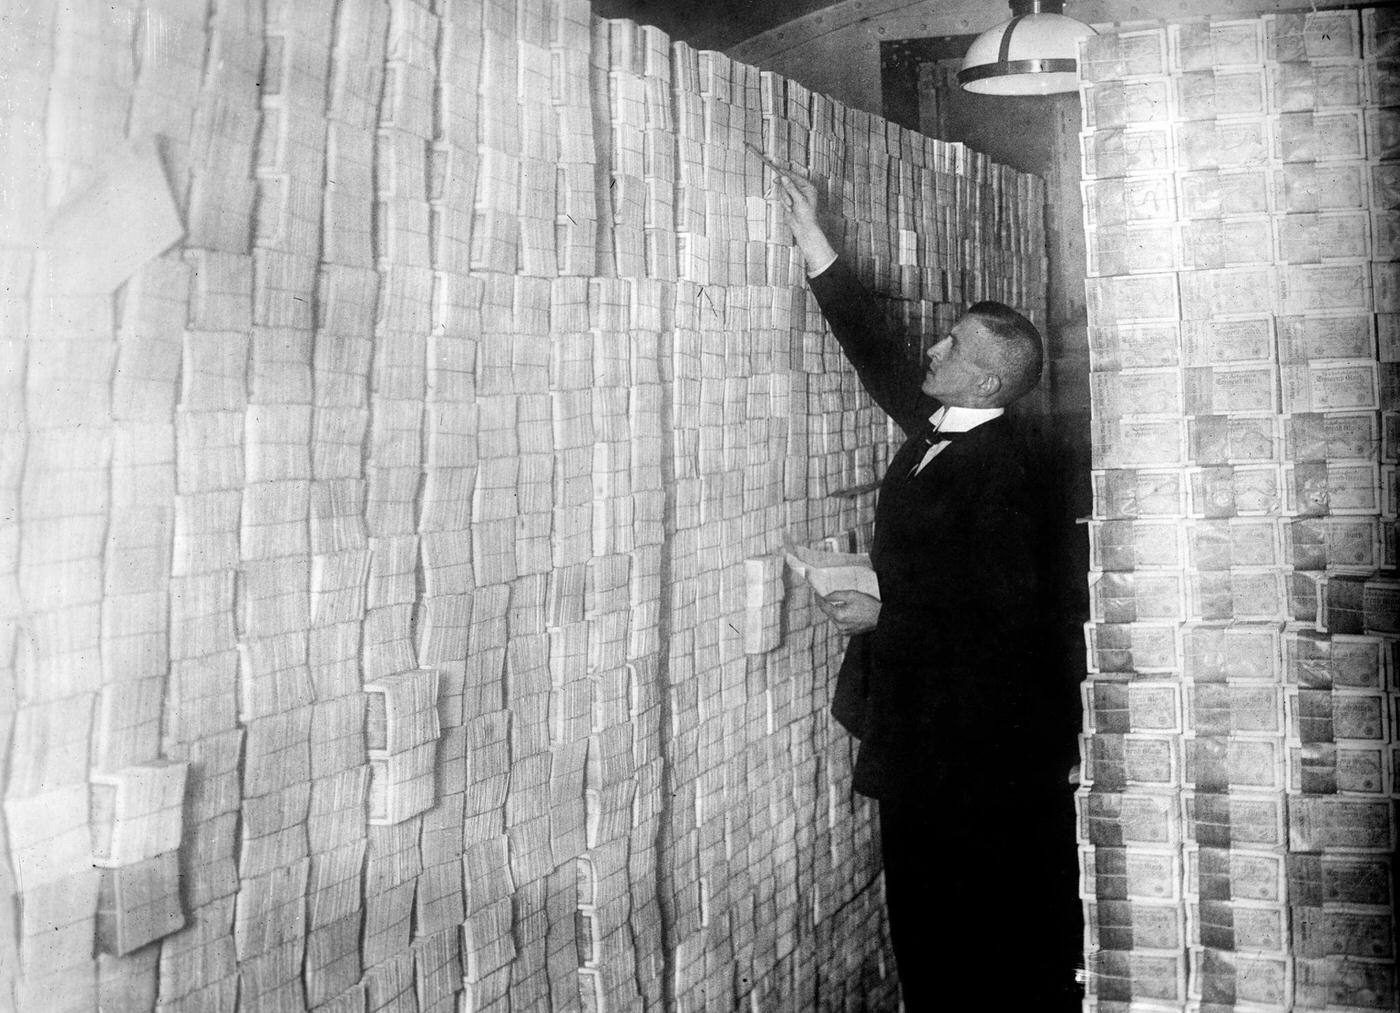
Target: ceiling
710,24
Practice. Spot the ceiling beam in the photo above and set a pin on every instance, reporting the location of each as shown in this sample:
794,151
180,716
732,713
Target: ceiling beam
882,20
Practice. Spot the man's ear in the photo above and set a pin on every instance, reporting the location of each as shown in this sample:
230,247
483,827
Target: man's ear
989,385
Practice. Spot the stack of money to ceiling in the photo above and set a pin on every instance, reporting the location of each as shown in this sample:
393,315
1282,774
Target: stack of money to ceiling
1239,746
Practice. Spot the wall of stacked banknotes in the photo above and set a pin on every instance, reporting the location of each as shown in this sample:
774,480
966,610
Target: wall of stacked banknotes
1242,207
404,407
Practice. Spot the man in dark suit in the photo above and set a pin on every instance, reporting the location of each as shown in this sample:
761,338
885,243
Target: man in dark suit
945,681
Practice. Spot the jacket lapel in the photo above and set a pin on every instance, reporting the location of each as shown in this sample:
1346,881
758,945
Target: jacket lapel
958,452
909,454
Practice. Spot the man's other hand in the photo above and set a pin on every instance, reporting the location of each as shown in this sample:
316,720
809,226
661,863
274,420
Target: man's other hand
852,611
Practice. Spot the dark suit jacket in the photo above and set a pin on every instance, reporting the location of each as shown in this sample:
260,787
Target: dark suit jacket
949,694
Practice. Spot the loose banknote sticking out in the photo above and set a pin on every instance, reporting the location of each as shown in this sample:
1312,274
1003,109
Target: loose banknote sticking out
828,571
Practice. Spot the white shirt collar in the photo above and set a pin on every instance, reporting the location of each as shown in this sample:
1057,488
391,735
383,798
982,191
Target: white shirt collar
957,419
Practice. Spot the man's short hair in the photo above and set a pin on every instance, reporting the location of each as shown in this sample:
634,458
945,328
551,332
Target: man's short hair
1018,348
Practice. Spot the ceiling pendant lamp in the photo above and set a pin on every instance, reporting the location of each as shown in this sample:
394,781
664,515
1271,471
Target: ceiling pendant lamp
1035,53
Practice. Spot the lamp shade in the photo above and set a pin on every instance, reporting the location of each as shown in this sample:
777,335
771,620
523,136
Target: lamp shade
1035,53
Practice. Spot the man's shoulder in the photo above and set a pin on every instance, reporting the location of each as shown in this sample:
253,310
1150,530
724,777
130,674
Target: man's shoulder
1003,460
998,437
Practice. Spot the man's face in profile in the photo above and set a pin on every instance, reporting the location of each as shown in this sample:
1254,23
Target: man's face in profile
956,364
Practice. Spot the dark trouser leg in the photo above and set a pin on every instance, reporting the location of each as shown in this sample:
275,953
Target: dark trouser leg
907,904
981,920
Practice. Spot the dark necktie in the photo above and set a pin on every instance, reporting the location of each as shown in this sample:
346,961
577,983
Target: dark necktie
934,439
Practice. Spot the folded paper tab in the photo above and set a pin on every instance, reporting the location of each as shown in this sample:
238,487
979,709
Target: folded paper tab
136,812
402,711
138,904
402,784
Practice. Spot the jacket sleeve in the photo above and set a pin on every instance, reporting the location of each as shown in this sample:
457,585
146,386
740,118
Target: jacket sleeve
886,370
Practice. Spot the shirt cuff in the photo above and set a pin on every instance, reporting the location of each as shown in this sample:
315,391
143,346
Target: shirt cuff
821,266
